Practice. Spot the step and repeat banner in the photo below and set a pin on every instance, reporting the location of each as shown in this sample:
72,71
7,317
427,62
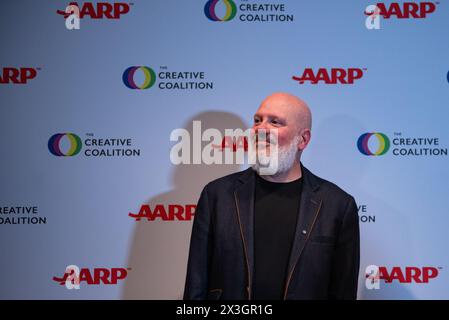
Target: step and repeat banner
96,94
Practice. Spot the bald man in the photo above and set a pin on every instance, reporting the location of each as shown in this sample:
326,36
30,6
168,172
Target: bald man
287,235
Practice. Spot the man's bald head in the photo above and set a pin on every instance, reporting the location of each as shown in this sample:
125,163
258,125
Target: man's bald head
291,106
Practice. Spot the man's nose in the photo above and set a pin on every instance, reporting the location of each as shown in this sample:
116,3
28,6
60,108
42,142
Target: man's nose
262,132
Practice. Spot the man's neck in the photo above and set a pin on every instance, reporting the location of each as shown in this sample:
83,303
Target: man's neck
293,174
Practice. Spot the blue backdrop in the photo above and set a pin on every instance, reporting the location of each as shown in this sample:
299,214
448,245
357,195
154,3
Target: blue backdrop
66,201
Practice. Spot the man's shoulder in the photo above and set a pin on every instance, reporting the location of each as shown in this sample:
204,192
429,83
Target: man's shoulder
228,180
330,189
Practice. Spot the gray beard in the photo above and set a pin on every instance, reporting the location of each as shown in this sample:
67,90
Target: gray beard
286,158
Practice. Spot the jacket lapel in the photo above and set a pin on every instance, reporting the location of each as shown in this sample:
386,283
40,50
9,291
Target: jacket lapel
309,209
244,202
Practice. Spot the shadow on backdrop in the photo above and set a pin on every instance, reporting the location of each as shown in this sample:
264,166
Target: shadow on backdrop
159,249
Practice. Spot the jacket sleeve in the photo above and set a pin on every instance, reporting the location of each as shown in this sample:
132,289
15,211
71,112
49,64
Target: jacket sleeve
196,286
346,263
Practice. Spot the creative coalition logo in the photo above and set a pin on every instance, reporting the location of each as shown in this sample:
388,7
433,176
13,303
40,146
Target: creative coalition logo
378,144
330,76
19,215
404,10
171,212
149,77
383,144
143,77
74,276
227,10
420,275
209,10
54,144
11,75
70,144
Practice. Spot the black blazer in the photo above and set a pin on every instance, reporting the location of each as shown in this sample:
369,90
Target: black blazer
324,260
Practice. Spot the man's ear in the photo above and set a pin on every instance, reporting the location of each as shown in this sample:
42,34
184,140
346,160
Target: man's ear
305,135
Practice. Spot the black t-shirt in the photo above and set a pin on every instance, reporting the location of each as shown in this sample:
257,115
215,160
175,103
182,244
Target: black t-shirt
276,211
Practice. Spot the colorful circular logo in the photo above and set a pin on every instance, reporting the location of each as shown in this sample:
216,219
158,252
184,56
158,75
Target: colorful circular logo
384,144
209,10
54,144
128,77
